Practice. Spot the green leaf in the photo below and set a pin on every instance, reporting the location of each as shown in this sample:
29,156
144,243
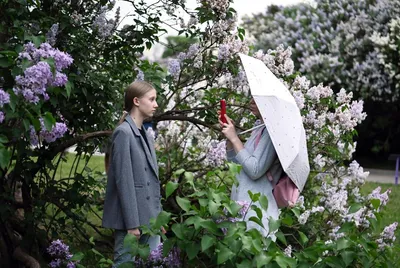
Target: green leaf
167,246
68,87
256,220
347,226
130,241
170,187
162,219
183,203
254,197
354,208
244,264
224,254
190,178
96,252
206,242
348,257
4,62
303,238
77,256
52,63
343,243
262,259
258,211
281,237
177,229
375,203
210,225
212,207
192,250
49,121
257,245
287,221
263,202
284,261
296,211
5,157
3,139
273,224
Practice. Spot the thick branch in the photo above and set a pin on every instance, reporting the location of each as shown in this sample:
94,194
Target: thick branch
24,258
63,146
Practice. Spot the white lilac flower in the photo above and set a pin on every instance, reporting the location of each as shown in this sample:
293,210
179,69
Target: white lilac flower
382,197
304,217
387,236
319,161
288,251
216,154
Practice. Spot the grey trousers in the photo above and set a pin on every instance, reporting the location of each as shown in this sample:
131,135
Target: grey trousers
120,253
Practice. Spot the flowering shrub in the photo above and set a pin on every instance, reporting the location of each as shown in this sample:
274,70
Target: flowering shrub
349,44
331,225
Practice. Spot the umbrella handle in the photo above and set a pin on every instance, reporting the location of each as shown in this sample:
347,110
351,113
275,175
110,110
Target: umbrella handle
251,129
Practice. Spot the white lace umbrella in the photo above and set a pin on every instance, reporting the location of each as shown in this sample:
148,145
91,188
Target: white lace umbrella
282,118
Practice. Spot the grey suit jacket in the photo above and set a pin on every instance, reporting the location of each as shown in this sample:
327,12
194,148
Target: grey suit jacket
133,189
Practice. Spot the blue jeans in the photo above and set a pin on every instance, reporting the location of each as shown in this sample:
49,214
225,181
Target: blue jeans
120,253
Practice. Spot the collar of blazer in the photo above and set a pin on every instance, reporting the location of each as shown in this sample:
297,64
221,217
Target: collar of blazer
150,155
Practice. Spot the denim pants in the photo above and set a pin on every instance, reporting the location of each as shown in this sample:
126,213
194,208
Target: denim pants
120,253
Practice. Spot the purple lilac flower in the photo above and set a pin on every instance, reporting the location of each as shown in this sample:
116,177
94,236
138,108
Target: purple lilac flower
1,117
33,136
245,207
60,80
71,264
51,34
4,97
59,249
174,68
156,258
34,81
55,263
56,132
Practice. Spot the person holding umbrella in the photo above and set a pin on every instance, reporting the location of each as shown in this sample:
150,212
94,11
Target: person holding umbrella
257,156
278,147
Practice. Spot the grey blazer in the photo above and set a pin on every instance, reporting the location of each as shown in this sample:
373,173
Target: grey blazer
133,189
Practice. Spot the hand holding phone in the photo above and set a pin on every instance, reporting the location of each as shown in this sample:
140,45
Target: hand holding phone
223,111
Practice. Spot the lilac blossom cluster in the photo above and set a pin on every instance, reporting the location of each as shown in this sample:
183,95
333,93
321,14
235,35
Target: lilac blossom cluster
4,99
61,255
244,208
57,131
156,259
37,78
387,236
216,155
105,28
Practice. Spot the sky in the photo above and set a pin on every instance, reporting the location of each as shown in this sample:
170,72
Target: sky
242,7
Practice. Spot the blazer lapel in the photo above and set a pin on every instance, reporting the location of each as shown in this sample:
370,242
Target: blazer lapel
151,159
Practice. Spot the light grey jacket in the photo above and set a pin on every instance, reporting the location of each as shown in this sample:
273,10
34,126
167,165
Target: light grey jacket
256,161
133,189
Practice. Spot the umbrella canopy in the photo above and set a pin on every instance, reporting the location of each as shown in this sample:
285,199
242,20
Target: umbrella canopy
282,118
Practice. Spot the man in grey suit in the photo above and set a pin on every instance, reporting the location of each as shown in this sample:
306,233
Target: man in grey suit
133,188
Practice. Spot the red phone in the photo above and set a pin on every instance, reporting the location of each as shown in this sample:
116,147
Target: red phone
223,111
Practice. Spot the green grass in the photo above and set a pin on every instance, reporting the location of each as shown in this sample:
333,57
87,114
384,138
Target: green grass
391,212
96,164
